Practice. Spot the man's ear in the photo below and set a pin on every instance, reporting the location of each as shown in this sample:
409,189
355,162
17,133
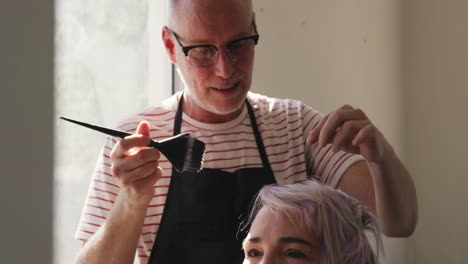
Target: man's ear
169,43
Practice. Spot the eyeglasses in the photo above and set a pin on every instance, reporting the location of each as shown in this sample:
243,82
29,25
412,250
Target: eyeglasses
207,54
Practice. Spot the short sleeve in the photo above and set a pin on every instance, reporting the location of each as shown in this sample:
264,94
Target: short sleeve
101,196
323,163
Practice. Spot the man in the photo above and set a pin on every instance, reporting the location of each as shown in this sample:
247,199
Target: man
138,203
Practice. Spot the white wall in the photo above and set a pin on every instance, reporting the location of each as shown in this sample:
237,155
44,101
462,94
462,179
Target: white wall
405,63
436,82
334,52
26,135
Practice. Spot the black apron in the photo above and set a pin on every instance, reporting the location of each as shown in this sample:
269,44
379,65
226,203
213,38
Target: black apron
203,210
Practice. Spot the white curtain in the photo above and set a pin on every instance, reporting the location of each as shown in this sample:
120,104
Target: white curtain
109,63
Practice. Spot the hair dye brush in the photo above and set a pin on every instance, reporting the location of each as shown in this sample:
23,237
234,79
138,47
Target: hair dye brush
183,151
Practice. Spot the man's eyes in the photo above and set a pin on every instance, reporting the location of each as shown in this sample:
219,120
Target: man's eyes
203,51
238,44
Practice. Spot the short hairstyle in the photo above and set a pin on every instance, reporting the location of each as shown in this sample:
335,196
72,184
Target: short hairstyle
174,8
339,221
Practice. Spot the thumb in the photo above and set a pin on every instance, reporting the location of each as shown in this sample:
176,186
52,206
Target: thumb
143,128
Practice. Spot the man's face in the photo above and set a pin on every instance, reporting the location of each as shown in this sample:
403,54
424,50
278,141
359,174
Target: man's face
214,93
273,239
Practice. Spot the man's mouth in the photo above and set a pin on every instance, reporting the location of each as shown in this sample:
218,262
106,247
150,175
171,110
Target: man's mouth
226,88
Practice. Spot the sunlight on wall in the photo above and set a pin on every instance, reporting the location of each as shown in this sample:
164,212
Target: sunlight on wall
105,53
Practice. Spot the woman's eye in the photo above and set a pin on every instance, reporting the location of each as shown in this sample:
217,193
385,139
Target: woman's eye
295,254
253,253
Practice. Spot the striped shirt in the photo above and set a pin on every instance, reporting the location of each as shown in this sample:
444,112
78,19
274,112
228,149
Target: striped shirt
283,124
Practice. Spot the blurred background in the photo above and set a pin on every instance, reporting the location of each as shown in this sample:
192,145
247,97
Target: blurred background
403,62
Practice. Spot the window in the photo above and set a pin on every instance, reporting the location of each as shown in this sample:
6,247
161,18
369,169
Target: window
109,62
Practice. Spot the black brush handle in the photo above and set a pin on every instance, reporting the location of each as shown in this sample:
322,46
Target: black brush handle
166,146
107,131
157,144
115,132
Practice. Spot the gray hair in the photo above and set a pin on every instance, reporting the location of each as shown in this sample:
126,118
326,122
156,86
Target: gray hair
339,221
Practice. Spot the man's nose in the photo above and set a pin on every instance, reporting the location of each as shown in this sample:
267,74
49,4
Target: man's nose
224,66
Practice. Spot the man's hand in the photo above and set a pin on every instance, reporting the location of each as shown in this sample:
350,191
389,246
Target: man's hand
350,130
383,184
136,166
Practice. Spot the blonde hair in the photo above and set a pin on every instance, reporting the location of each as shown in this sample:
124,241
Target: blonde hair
338,220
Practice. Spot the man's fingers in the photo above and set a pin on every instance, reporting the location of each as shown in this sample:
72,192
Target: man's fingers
143,128
314,134
141,172
363,134
122,147
130,162
140,139
152,178
346,133
317,130
345,107
335,121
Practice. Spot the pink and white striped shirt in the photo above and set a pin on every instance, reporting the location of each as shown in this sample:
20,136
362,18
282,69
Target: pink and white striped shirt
283,124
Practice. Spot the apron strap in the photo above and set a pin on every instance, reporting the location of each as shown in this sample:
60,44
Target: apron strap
178,116
258,139
174,176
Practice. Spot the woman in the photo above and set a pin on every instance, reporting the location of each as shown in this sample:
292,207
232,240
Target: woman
308,222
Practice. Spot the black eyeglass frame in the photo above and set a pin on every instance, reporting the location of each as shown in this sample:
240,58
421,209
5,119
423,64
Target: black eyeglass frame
186,49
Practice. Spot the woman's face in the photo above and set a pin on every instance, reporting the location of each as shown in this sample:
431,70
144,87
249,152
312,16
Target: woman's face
274,239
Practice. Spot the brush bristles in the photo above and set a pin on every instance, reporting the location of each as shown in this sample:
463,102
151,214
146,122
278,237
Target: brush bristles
184,152
194,156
